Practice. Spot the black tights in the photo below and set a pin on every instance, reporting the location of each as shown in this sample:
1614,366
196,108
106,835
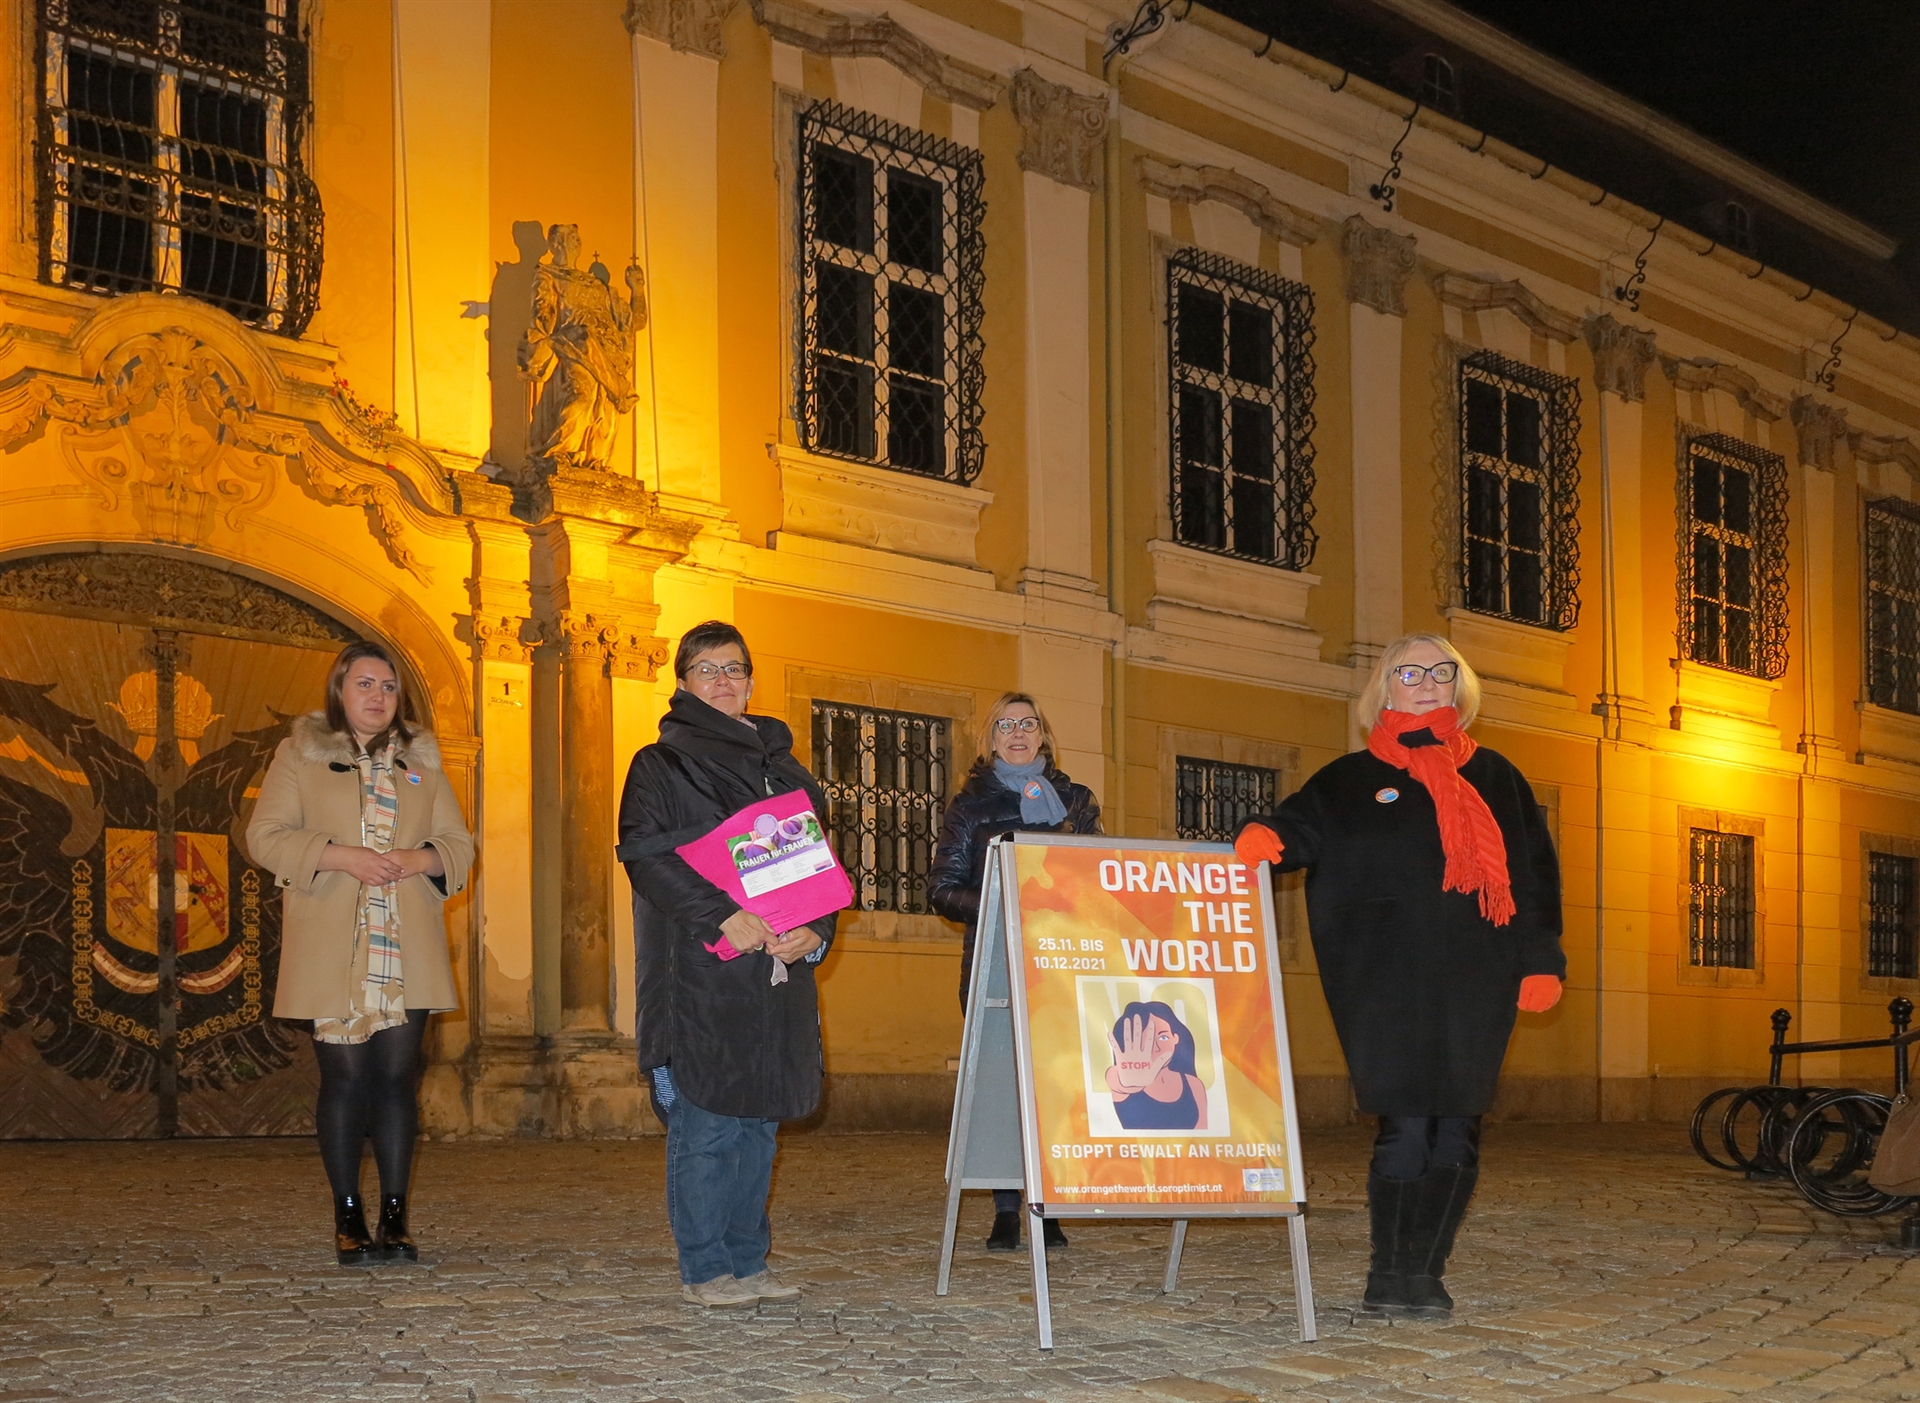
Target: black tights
370,1089
1408,1146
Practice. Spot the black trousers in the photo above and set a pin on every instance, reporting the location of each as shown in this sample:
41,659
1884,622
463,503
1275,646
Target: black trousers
1408,1146
370,1090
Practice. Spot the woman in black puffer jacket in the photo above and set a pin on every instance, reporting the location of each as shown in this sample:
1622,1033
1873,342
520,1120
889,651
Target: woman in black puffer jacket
1012,788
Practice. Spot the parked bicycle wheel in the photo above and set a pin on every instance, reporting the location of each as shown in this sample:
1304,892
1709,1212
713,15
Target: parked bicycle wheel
1702,1115
1751,1117
1830,1150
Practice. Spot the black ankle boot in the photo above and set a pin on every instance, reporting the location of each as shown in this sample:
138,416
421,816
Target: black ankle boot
1050,1233
351,1243
394,1242
1442,1194
1390,1208
1005,1236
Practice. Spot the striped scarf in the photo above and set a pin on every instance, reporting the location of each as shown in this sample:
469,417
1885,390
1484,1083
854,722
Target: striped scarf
380,1001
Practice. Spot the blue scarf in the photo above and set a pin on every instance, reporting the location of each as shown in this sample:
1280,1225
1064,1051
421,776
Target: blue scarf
1040,802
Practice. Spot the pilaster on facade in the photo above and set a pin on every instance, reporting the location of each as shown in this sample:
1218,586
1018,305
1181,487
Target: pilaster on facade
1622,355
1820,431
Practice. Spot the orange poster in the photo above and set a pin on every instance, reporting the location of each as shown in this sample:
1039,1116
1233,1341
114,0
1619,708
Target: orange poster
1154,1029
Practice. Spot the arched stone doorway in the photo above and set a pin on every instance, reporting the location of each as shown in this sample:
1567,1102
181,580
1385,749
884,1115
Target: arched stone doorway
141,698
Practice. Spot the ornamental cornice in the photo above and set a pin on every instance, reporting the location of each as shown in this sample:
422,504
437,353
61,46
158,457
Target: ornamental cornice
1194,184
1621,357
1699,374
1819,429
1379,262
689,26
1062,134
1472,294
591,493
880,36
1886,448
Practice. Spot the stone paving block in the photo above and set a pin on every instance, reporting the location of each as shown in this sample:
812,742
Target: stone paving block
1672,1393
1182,1389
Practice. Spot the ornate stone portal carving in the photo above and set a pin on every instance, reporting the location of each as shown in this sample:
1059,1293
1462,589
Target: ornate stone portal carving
602,642
577,352
1819,428
1621,355
1061,132
1379,262
690,26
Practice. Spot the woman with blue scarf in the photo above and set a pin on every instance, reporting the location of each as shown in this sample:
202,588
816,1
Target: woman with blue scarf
1012,788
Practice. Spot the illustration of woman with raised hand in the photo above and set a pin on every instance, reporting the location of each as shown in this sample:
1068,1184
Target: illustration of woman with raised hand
1153,1077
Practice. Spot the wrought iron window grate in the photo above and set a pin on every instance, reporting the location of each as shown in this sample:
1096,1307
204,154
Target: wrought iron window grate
171,152
1733,556
891,275
1893,605
1211,798
1240,350
1720,917
885,777
1519,491
1893,925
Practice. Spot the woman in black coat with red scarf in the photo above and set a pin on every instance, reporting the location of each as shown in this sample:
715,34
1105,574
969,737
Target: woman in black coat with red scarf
1433,896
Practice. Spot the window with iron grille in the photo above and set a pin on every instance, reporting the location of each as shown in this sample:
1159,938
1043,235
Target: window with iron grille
1211,798
1893,947
1893,605
171,151
1519,491
1240,347
1720,918
890,295
1733,556
885,777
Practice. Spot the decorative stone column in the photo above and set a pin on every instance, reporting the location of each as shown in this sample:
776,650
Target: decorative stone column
1378,263
588,811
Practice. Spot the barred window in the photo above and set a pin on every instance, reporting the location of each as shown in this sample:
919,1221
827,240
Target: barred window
890,295
885,777
1211,798
1720,917
1893,605
1519,491
1893,933
171,154
1240,348
1733,556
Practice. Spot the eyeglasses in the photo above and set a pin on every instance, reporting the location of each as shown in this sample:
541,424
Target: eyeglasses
1413,674
1025,725
706,672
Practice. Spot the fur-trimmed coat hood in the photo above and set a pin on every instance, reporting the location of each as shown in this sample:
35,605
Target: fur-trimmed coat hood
311,798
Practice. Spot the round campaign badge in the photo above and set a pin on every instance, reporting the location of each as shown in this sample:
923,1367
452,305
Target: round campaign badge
1032,789
412,778
1385,796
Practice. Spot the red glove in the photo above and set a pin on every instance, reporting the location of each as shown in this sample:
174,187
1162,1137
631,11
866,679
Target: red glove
1539,992
1257,844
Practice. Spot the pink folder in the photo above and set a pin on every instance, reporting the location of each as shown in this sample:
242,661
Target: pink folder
772,858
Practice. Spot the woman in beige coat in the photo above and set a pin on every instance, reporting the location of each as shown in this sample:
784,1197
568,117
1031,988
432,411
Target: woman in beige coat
359,826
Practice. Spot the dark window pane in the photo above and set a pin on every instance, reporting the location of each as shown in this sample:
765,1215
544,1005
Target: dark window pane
1706,629
219,130
1526,516
1250,342
1202,328
845,310
843,198
1738,624
1738,490
1738,588
845,413
1484,586
913,221
916,330
1252,440
1706,490
223,254
1203,514
112,107
1253,498
229,33
1526,598
1706,565
138,20
916,425
1523,430
109,251
1483,503
1199,426
1483,418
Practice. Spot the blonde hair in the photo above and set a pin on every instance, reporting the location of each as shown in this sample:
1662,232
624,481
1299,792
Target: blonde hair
999,709
1466,687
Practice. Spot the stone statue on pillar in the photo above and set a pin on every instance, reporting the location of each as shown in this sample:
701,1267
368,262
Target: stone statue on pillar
577,353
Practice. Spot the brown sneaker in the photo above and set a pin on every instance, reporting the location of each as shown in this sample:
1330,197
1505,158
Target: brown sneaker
768,1287
721,1291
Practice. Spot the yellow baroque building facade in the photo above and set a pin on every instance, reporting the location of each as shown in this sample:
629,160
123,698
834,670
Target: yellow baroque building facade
964,346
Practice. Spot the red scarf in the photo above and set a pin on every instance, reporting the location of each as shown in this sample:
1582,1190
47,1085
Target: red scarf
1471,838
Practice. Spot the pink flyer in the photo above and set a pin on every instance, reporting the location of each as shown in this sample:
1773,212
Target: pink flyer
773,859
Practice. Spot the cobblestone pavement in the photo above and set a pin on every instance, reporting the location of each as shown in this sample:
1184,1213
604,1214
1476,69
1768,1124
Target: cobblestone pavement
1597,1260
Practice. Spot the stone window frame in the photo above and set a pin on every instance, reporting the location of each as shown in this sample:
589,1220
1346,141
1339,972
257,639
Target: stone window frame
1767,540
1719,976
1895,845
1900,545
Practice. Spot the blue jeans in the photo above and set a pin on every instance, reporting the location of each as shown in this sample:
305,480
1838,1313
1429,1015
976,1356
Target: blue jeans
719,1172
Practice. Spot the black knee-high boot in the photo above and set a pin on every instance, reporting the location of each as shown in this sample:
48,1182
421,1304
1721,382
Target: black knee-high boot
1391,1205
1440,1199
